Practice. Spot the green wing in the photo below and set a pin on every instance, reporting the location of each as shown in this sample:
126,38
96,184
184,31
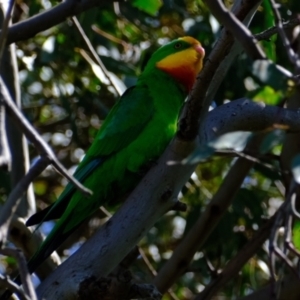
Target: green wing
117,132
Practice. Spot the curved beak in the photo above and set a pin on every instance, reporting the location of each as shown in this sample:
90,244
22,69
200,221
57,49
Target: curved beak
199,49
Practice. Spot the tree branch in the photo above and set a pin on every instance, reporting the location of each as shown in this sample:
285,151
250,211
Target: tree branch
5,157
17,143
247,115
242,114
24,238
293,57
3,34
236,263
288,288
217,207
24,273
15,196
145,205
143,202
96,56
9,284
212,74
154,196
265,35
36,139
237,29
45,20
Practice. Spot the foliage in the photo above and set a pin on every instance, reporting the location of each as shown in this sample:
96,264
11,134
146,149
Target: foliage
66,99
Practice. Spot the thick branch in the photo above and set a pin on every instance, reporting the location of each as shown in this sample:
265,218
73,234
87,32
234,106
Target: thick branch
45,20
247,115
242,114
3,34
154,196
117,237
196,237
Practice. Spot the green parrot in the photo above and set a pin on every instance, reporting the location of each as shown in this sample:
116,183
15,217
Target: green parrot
136,131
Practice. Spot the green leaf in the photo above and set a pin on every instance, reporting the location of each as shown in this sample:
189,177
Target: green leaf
296,234
151,6
271,74
272,139
269,45
40,187
267,95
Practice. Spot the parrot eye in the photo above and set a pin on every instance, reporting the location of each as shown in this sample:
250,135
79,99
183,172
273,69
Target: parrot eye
177,45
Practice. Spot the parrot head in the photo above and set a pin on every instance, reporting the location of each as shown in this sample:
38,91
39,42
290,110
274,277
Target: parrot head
182,59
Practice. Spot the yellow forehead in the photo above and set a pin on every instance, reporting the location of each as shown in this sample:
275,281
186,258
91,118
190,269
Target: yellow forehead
189,40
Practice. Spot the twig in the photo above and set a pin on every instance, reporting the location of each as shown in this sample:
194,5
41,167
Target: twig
9,284
147,262
24,274
288,244
110,37
5,157
14,197
3,34
265,35
237,29
236,263
36,139
95,55
293,57
251,157
284,218
24,238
